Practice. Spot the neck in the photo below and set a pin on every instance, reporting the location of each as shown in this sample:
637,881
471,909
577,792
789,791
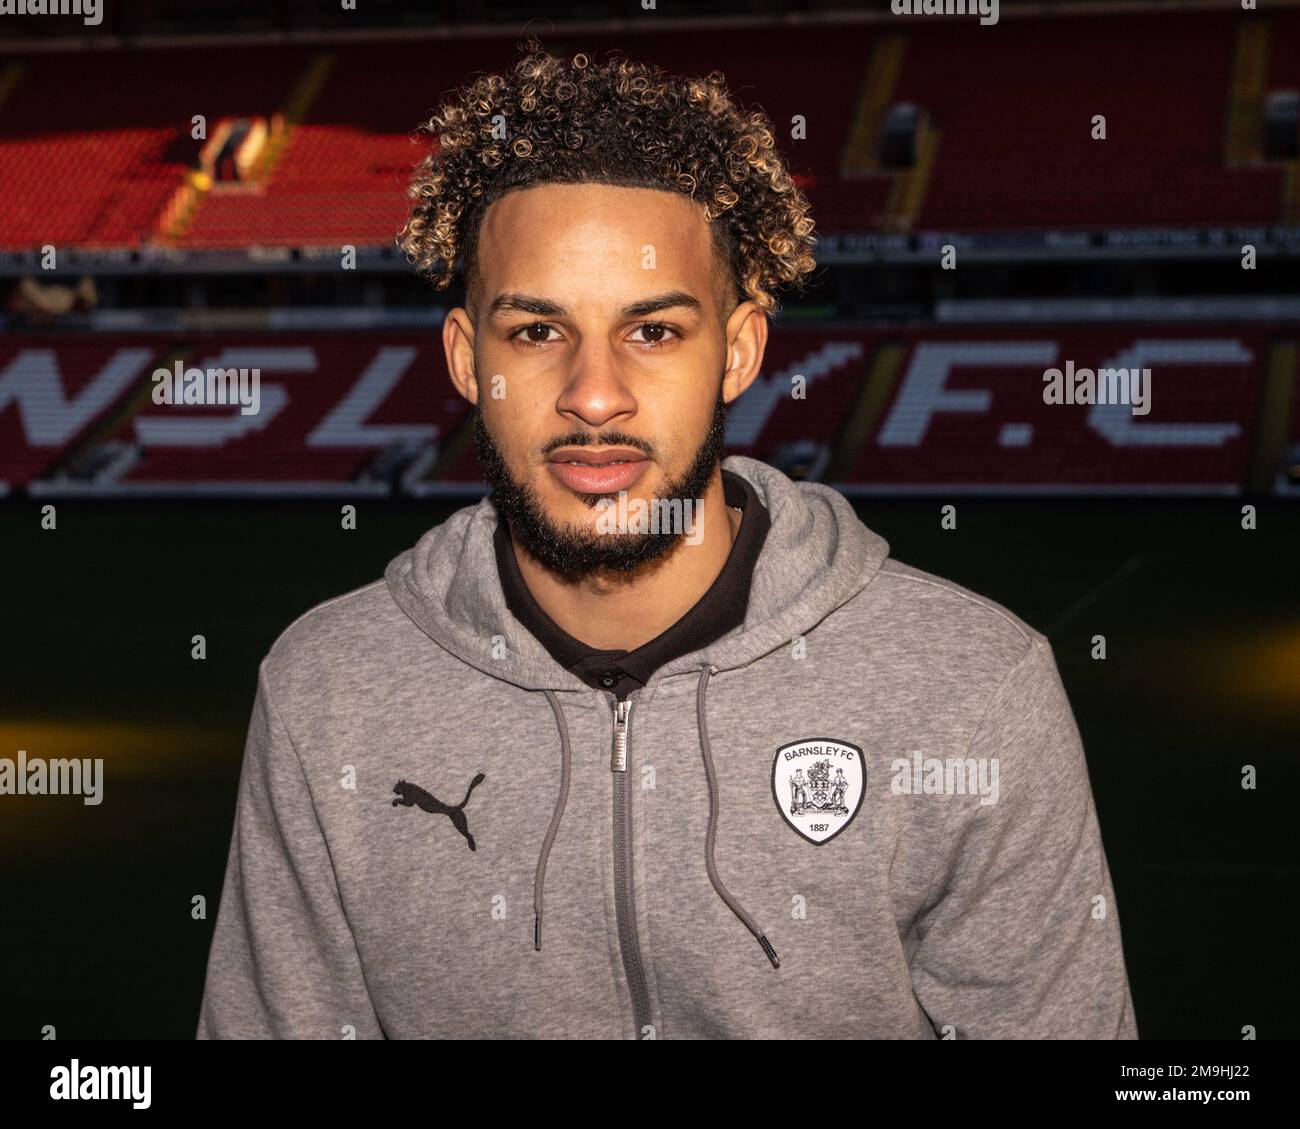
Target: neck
621,612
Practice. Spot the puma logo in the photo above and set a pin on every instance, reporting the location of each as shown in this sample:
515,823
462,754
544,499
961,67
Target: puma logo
412,795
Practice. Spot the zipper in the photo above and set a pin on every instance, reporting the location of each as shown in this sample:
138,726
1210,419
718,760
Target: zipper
618,756
624,896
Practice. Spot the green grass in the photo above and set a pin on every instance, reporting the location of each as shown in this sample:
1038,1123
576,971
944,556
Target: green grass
1202,622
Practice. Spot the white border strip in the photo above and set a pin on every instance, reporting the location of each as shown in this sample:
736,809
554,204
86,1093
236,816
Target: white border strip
866,489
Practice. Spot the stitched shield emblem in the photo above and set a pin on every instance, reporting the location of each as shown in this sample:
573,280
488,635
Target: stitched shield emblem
818,785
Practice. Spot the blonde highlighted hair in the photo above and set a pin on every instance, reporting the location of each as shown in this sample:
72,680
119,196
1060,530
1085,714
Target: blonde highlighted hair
570,121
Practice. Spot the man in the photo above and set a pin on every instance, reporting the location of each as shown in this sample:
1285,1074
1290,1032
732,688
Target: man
798,792
841,786
591,731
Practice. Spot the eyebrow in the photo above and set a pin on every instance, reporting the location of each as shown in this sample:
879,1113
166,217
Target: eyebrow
542,307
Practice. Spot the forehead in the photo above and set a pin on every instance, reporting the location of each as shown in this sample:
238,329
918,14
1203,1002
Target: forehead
573,241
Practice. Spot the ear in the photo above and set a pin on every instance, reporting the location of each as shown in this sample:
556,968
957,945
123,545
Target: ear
458,346
746,335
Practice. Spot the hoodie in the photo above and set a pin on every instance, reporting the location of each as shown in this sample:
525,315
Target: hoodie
863,813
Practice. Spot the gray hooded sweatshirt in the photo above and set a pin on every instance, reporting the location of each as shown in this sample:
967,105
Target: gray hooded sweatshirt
865,813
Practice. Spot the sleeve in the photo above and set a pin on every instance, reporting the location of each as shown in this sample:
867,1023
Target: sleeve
1021,936
283,963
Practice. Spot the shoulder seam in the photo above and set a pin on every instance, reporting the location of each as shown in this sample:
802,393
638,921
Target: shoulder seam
274,711
322,606
976,600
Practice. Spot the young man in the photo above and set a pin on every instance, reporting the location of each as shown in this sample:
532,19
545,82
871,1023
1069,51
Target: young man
537,782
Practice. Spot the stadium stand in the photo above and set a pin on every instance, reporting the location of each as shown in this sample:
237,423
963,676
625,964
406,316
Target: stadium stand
992,154
893,401
98,172
927,407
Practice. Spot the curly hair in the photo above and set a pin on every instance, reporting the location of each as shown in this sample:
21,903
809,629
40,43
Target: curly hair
623,123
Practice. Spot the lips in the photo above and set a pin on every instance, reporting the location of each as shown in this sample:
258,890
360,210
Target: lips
597,456
587,470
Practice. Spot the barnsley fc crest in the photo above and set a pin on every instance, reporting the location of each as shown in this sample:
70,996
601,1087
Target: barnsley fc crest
818,785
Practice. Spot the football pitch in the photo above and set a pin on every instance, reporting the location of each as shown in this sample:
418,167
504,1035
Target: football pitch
1201,679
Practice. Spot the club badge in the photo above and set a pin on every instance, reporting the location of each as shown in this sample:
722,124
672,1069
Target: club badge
818,785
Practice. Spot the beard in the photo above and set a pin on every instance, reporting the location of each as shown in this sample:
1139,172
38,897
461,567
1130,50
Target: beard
574,552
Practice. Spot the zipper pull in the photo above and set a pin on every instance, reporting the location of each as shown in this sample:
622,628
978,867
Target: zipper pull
618,757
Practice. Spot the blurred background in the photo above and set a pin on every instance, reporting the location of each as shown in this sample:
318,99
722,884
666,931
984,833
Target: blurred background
219,184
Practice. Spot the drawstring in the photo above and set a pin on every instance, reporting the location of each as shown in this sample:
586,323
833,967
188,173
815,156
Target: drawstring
712,834
709,839
539,878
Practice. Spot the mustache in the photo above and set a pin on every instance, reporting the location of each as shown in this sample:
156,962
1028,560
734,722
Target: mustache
604,439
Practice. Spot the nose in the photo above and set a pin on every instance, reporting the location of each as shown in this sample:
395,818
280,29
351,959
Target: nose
595,390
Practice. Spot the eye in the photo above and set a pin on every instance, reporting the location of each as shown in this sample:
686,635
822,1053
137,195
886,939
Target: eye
657,333
533,334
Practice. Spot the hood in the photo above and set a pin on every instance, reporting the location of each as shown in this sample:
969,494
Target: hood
816,556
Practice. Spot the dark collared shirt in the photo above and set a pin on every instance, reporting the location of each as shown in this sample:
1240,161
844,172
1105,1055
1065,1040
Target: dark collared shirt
719,610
